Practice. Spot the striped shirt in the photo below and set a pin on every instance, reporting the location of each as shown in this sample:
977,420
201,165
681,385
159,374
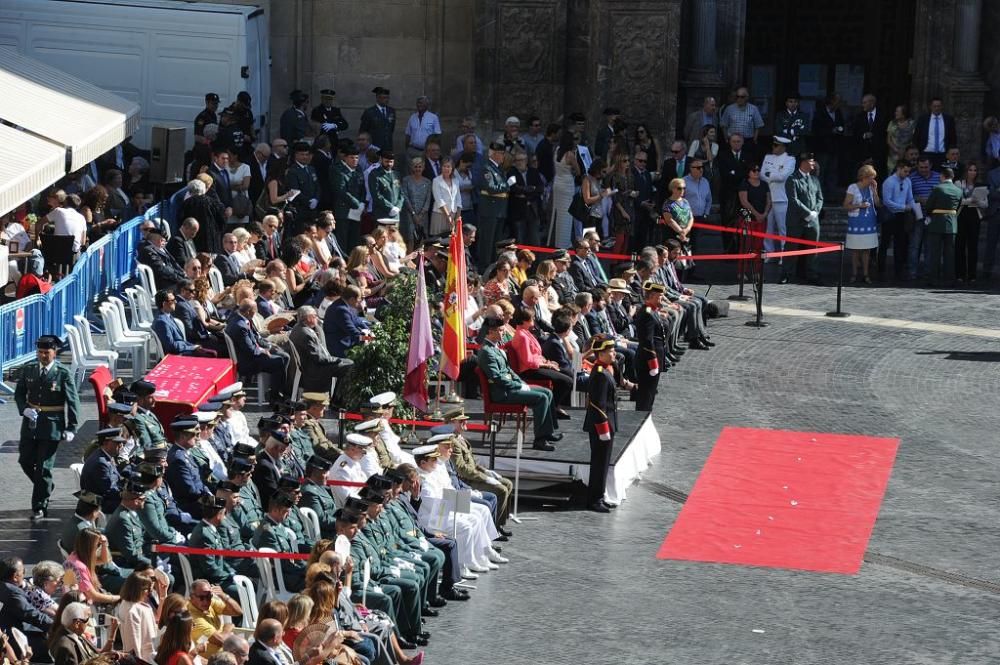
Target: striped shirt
922,186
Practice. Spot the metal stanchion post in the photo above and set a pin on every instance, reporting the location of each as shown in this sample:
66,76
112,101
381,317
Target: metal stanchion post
341,419
839,313
493,443
743,249
758,321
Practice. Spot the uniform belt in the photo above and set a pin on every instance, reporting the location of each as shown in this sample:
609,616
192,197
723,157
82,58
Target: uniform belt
501,195
942,211
51,409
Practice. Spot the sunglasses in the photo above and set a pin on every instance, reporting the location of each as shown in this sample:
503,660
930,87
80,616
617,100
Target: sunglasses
202,596
742,96
640,161
696,168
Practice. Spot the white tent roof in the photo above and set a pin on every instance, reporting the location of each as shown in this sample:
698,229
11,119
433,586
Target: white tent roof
28,165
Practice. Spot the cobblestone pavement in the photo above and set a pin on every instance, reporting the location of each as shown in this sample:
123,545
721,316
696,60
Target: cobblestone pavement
587,588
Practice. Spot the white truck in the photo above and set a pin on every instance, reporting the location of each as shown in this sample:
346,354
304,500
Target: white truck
163,54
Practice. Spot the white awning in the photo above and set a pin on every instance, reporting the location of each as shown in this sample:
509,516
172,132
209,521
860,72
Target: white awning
49,102
28,165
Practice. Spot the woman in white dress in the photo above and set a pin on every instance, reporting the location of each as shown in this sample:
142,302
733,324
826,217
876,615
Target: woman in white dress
862,220
563,189
239,184
447,204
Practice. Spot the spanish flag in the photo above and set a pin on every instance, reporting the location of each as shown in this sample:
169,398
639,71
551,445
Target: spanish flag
453,338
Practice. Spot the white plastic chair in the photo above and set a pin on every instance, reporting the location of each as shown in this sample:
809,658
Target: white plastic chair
297,363
77,469
577,398
215,279
138,328
180,324
108,357
310,523
79,362
272,577
145,300
139,314
146,277
263,378
186,571
134,347
248,598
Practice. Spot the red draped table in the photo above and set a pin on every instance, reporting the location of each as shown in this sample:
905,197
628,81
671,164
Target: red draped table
184,382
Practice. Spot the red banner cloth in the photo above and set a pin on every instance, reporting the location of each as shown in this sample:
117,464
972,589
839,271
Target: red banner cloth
184,382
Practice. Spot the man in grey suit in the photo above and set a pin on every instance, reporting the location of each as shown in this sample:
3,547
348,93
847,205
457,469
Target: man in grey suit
805,201
319,368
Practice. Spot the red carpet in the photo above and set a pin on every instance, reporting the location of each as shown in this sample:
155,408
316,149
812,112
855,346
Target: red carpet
784,500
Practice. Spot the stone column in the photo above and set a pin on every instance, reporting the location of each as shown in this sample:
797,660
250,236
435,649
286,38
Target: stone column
968,23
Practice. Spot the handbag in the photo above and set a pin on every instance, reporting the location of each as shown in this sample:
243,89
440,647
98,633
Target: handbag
579,209
263,206
241,205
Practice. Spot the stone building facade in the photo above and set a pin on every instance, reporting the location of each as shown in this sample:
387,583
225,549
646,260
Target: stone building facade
656,59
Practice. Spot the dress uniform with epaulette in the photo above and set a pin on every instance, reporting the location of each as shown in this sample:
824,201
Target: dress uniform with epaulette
379,120
378,449
182,475
493,190
273,534
208,535
295,522
149,429
302,176
347,468
126,538
86,504
230,531
208,115
385,189
153,515
317,497
471,472
100,473
601,422
47,398
652,341
328,116
348,186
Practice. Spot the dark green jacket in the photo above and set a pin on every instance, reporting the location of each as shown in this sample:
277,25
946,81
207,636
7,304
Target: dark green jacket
126,538
57,389
947,196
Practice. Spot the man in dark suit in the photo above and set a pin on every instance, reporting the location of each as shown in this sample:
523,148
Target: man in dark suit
380,120
827,140
181,244
602,141
195,329
259,165
677,165
227,263
322,159
318,366
343,328
166,272
545,151
219,171
870,128
580,268
732,166
17,612
645,202
253,353
934,133
432,159
524,208
270,242
301,176
265,299
264,649
271,465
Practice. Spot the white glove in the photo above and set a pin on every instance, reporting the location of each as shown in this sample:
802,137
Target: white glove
30,413
327,126
477,494
415,556
511,180
604,437
494,474
424,545
395,571
376,588
393,211
68,436
525,386
813,216
490,480
178,537
313,203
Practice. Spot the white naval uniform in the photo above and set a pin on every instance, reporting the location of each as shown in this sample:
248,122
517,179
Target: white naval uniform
775,170
470,536
344,468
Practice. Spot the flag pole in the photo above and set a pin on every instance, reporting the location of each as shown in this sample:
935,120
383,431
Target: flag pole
437,415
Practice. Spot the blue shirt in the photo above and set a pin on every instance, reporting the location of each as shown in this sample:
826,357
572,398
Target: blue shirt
897,193
698,195
922,186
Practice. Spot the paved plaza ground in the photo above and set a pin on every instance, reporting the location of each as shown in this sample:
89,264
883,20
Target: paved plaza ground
586,588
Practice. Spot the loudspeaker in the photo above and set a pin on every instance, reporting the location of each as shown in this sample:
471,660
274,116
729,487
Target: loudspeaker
166,160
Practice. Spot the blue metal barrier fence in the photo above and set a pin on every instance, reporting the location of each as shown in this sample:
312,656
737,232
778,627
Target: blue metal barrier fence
104,267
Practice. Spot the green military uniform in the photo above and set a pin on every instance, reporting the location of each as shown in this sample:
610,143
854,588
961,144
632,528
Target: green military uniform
232,539
248,515
303,178
319,499
148,429
383,534
505,388
215,569
301,445
323,446
409,601
477,476
153,518
126,538
805,197
942,207
71,529
278,537
408,535
386,193
492,211
53,395
348,188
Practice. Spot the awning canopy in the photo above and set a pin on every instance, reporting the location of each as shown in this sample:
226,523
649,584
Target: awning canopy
48,102
28,165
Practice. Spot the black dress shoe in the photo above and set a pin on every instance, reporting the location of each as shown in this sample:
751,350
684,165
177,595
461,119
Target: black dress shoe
456,594
677,351
608,505
502,537
704,340
429,611
505,531
406,644
562,415
599,507
697,344
420,641
672,358
497,548
424,634
439,601
783,280
555,436
542,444
816,281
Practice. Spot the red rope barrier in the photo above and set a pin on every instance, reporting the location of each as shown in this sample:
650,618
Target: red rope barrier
802,252
770,236
345,483
232,554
